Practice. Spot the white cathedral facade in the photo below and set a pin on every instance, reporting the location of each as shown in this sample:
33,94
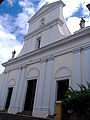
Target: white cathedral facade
51,60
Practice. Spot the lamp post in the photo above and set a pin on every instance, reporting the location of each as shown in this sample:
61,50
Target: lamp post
88,6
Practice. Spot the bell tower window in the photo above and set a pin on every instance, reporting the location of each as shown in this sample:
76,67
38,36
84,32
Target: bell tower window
42,22
38,42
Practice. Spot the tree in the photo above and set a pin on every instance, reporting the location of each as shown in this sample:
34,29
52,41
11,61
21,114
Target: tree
77,101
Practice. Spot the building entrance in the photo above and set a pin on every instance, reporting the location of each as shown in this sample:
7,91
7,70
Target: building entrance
62,87
8,97
29,101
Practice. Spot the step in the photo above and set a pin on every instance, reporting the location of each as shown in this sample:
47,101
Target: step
25,113
7,116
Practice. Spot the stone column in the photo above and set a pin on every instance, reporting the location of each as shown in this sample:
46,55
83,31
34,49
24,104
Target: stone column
12,108
4,91
86,65
38,102
77,69
20,87
47,86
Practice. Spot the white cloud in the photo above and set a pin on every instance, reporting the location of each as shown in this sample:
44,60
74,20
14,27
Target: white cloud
8,41
7,45
73,5
11,27
74,23
11,2
23,17
21,22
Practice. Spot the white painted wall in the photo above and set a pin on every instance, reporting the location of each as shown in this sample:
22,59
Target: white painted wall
63,61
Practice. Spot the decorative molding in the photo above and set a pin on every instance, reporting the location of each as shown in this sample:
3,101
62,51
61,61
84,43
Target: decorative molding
31,71
62,78
6,71
51,46
43,60
86,47
45,27
76,50
24,66
62,72
51,57
11,82
33,61
56,54
31,78
19,68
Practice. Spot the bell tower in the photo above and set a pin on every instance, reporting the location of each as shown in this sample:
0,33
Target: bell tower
45,27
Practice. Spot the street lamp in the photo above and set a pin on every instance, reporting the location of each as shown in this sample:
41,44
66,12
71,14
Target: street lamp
88,6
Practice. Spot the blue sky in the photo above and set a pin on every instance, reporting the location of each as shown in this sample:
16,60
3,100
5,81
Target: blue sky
14,15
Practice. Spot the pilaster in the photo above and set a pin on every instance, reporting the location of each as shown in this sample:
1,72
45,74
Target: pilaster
12,108
1,88
38,103
4,91
20,87
77,68
2,82
86,64
47,86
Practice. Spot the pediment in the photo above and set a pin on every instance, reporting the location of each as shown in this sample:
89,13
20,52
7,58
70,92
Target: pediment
33,72
11,82
62,72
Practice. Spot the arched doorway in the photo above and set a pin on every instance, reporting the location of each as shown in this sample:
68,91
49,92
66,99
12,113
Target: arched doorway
30,95
62,76
10,89
30,90
62,87
10,86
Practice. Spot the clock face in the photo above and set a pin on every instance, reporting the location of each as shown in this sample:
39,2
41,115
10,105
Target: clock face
1,1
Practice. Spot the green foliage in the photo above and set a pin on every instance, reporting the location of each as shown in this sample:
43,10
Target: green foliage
77,100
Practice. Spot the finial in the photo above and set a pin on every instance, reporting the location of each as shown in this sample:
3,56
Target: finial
82,23
88,6
13,53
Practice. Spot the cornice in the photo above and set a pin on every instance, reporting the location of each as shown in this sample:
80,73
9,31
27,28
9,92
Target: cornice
51,57
45,27
43,60
6,71
76,50
24,66
51,46
86,47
